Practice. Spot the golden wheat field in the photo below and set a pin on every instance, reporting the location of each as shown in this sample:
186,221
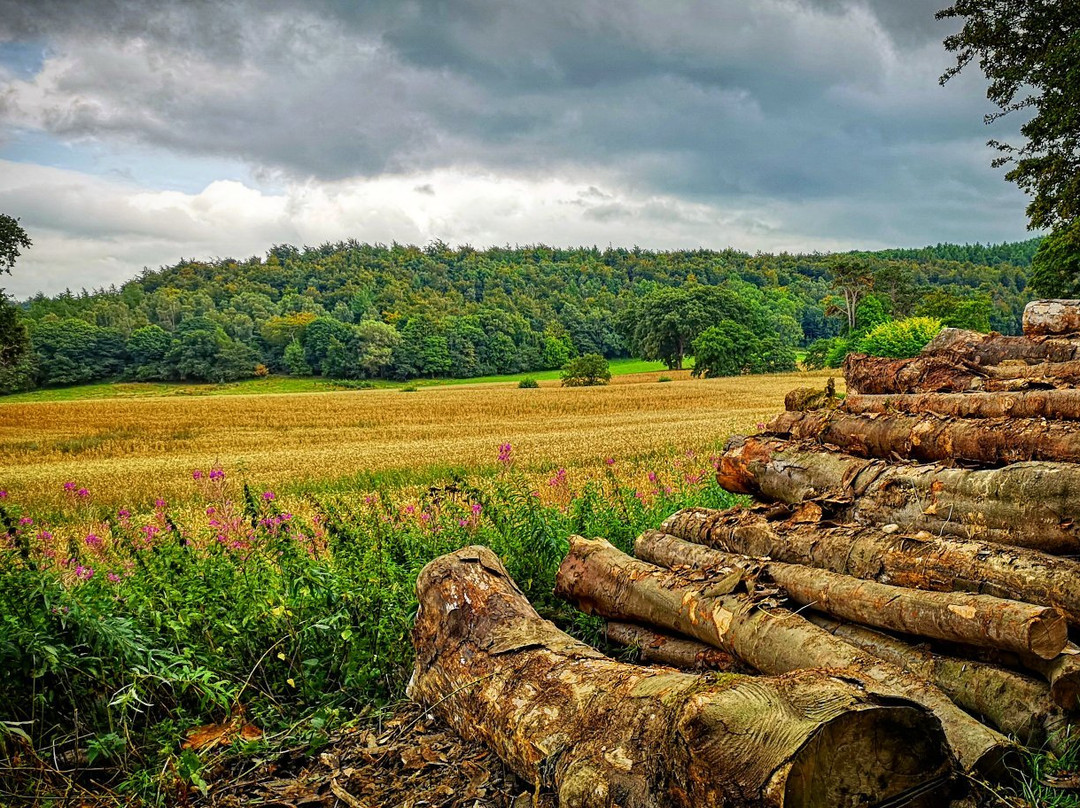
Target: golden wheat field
129,451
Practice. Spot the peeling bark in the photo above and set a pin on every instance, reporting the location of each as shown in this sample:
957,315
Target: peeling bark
602,580
929,439
1061,405
994,348
951,373
1018,705
1051,317
665,649
605,734
978,620
1033,505
918,562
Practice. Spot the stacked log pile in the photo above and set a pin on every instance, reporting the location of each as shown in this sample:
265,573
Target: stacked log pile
903,588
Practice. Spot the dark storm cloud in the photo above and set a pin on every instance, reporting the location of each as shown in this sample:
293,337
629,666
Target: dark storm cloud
723,102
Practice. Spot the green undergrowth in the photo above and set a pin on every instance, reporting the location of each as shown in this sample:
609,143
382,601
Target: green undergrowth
120,632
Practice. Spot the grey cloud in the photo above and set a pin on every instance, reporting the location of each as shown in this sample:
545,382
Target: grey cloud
719,102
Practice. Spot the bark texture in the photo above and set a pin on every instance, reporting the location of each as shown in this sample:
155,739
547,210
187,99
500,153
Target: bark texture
602,580
929,439
1051,317
952,373
978,620
994,348
606,734
665,649
1061,405
918,562
1017,705
1033,505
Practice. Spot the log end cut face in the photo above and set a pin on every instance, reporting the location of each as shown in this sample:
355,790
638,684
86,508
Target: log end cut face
890,755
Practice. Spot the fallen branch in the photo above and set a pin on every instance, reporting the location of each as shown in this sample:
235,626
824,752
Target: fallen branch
665,649
602,733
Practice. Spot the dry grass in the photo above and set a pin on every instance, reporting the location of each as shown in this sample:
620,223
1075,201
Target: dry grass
128,451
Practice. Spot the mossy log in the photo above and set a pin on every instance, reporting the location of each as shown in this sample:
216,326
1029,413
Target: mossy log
604,734
994,348
1063,405
1034,505
602,580
666,649
929,438
950,373
979,620
1042,317
917,562
1018,705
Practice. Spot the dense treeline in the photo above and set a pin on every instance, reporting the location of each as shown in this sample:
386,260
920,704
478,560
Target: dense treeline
363,311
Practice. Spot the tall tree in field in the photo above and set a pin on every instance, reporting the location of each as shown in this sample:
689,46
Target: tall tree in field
853,279
1029,51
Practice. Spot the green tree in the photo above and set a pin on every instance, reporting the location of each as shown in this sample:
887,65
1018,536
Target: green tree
853,279
1029,50
730,349
1055,267
13,240
900,338
970,311
148,348
16,370
586,371
375,343
294,360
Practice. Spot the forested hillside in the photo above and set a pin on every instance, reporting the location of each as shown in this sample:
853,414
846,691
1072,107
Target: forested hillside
360,311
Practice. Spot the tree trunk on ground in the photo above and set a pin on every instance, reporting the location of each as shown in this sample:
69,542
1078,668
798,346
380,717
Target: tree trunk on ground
1063,405
943,565
605,734
664,649
1016,704
1031,505
978,620
993,349
1051,317
602,580
950,373
929,439
1062,673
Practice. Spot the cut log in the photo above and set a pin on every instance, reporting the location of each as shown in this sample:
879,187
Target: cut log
665,649
950,373
1051,317
1062,673
928,438
936,372
1033,505
994,348
1061,405
602,580
979,620
917,562
1017,705
603,734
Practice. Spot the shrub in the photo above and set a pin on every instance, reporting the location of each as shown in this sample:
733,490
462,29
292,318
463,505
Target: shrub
664,379
409,388
528,383
586,371
900,338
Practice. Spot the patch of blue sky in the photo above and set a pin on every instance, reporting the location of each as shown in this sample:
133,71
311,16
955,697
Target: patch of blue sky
23,59
143,166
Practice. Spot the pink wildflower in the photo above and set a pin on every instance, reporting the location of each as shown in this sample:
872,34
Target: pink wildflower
83,493
268,496
84,573
197,474
92,540
26,520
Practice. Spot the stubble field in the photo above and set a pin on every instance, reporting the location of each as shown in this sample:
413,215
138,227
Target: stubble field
132,451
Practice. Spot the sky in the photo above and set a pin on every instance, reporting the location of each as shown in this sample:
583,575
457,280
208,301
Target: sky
134,134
